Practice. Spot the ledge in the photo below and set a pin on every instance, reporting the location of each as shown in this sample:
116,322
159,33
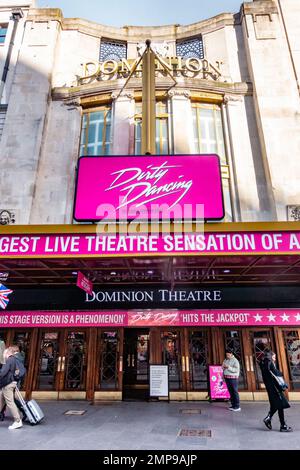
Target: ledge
192,84
132,33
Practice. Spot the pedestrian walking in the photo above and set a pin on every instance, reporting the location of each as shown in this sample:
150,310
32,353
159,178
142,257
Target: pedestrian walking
8,384
277,399
231,371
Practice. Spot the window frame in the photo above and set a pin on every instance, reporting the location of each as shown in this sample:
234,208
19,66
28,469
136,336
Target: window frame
159,118
106,40
3,26
191,39
87,111
221,152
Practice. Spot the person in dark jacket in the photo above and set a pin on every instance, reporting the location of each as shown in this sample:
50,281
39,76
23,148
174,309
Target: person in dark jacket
277,399
7,387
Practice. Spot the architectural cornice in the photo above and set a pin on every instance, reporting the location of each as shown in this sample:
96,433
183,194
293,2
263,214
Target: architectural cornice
131,33
187,86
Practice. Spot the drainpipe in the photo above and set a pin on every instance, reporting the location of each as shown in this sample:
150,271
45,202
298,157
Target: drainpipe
16,16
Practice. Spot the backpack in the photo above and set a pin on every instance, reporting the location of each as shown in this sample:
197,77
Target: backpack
20,370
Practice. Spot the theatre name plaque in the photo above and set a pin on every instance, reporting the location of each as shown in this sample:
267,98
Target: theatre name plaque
159,380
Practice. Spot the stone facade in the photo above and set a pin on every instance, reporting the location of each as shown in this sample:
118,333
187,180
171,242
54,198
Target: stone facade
256,57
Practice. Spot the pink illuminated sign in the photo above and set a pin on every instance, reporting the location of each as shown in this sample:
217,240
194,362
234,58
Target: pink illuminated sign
84,244
217,385
151,317
124,188
84,283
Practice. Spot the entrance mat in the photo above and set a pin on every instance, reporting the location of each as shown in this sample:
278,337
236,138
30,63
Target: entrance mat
75,412
195,432
190,411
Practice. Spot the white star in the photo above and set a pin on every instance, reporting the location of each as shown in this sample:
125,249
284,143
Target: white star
297,317
257,317
271,317
285,317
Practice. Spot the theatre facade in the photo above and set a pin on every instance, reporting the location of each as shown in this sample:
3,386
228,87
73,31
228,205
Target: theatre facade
83,198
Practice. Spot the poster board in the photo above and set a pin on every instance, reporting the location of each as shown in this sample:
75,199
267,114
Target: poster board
217,386
159,380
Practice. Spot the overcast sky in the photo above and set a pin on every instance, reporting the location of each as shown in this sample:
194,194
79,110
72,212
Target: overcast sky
142,12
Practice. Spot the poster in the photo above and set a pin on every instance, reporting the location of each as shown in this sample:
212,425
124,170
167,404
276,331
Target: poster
218,388
159,380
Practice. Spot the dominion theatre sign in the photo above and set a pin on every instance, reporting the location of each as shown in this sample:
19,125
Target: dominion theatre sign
112,69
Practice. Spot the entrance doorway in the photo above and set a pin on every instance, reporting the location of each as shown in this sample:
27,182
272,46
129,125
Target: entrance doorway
61,368
136,364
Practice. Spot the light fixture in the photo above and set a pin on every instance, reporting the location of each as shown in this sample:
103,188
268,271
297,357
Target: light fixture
74,272
226,271
113,273
150,272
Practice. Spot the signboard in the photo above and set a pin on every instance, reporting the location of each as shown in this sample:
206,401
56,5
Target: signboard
217,385
181,187
151,317
208,243
159,380
150,296
84,283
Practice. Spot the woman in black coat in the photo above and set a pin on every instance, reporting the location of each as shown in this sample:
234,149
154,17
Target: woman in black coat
277,399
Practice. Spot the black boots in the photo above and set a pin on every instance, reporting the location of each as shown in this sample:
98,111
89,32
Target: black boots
285,428
267,421
1,416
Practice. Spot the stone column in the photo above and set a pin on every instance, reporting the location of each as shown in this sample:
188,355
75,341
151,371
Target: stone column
123,123
245,171
182,121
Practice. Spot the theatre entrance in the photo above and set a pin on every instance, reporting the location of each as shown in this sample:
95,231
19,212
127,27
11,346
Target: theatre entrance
136,364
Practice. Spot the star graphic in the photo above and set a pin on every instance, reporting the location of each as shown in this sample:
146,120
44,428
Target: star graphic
257,317
285,317
271,317
297,317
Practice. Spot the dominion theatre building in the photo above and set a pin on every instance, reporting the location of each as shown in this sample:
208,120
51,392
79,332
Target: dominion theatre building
96,119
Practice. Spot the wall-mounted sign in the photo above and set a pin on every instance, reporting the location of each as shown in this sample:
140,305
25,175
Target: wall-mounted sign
149,187
217,385
159,380
208,243
151,317
84,283
113,69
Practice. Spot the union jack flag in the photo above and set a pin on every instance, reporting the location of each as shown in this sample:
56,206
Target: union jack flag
4,292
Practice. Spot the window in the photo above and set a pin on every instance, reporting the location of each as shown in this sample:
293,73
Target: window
162,128
112,50
192,47
3,32
96,132
292,350
208,138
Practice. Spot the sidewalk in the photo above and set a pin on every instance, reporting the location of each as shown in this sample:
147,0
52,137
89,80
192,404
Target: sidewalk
155,426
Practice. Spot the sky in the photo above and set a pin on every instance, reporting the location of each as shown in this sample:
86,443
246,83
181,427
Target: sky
142,12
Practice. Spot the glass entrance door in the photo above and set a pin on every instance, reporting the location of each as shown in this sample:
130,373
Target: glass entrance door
136,362
257,341
61,367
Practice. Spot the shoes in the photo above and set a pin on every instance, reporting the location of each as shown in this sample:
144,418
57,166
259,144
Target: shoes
234,409
16,425
267,422
285,428
1,416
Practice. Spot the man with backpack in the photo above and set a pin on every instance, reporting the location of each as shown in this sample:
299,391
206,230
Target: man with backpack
11,373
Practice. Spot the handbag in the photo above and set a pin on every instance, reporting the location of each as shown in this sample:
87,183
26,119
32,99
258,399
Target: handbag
280,382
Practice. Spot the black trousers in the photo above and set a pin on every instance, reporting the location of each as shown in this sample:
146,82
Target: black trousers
280,414
232,385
